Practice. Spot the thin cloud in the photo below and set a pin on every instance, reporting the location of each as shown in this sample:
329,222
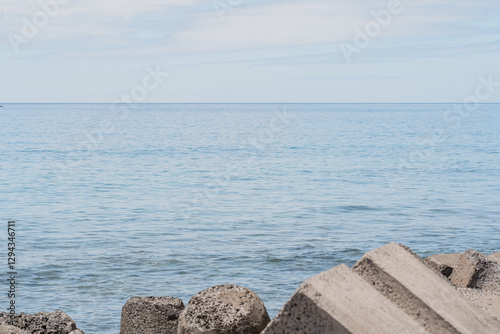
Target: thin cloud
194,26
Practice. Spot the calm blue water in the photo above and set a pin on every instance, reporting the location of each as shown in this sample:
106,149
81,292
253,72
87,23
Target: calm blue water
168,200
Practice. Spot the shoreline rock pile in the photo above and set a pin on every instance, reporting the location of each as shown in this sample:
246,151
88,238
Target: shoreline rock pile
389,290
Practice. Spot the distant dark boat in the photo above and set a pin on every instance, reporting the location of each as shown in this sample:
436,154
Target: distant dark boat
1,106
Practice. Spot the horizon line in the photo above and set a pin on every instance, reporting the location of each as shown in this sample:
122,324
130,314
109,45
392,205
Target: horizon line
481,103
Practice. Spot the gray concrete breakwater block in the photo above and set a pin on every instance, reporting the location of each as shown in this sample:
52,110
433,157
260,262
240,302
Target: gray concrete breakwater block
392,290
428,298
487,301
151,315
470,269
476,276
443,263
339,301
476,270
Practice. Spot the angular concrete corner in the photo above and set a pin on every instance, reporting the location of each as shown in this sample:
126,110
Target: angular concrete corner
495,256
339,301
476,270
468,264
443,263
426,297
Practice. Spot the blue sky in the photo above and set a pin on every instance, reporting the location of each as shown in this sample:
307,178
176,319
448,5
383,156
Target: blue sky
248,50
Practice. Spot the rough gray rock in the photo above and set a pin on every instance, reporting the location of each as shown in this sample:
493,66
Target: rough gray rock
224,309
8,329
56,322
151,315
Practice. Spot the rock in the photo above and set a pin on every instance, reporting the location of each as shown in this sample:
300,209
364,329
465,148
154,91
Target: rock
56,322
476,270
339,301
158,315
443,263
224,309
8,329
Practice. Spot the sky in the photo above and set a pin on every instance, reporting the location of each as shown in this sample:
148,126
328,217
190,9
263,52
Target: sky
247,51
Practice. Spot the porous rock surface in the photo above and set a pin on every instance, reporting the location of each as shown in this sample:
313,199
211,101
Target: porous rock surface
151,315
224,309
56,322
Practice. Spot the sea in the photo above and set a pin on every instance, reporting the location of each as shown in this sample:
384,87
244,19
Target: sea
113,201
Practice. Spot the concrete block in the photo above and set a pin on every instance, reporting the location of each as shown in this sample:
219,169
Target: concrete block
487,301
428,298
151,315
478,271
495,256
443,263
341,302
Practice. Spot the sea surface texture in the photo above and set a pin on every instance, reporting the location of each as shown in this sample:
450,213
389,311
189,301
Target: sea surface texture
115,201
